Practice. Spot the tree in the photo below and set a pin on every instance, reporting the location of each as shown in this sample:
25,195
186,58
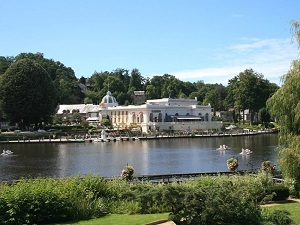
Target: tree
249,90
27,93
284,106
5,63
264,116
216,97
136,81
155,91
64,78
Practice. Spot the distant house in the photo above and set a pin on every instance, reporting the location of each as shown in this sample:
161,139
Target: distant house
246,115
89,112
139,97
4,123
226,116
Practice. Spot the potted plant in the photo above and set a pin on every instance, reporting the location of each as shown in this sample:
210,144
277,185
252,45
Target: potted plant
267,167
232,164
127,173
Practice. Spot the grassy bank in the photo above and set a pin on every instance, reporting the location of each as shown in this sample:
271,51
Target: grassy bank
121,219
205,200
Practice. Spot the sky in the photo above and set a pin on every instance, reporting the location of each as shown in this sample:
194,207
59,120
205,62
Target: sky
194,40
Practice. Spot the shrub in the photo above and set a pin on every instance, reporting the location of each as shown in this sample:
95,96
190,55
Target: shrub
281,192
278,217
33,201
212,201
127,173
52,200
267,167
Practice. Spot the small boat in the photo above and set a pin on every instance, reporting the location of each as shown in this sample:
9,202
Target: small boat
223,147
245,151
7,152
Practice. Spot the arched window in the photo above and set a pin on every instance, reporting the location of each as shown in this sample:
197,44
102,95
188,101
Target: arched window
159,117
141,118
133,118
206,117
151,117
187,114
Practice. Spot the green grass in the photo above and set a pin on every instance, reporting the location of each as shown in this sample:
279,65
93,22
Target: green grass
292,208
121,219
124,219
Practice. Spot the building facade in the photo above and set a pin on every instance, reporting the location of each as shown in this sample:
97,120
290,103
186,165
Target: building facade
155,115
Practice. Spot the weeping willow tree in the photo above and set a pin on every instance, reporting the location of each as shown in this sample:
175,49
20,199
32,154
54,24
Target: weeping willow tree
284,105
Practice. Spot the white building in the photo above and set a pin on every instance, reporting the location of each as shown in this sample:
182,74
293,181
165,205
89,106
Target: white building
154,115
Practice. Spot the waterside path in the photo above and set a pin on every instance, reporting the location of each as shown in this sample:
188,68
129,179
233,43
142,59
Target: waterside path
145,137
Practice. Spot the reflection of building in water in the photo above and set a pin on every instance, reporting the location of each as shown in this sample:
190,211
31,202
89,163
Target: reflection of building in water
153,115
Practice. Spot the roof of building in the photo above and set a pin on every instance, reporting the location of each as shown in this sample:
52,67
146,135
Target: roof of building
80,108
172,101
108,100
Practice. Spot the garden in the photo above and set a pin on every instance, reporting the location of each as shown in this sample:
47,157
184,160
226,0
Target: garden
205,200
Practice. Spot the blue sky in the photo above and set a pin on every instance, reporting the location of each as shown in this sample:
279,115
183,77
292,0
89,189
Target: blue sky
208,40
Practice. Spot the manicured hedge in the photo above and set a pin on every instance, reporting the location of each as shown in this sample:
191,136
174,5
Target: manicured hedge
280,192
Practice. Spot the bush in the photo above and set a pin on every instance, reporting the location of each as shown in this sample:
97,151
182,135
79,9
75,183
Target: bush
52,200
127,173
278,217
34,201
217,200
281,192
206,200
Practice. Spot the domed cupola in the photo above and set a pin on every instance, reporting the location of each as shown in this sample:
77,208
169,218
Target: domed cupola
108,100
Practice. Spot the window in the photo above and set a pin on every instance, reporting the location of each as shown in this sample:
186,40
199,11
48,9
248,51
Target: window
141,118
151,117
206,116
159,117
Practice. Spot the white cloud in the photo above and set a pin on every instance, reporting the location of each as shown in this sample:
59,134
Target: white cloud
270,57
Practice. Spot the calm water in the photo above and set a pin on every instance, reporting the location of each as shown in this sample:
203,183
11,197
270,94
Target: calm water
147,157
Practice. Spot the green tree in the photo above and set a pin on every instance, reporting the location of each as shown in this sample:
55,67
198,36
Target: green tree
157,83
284,106
27,93
151,92
65,81
5,63
249,90
264,116
216,97
136,81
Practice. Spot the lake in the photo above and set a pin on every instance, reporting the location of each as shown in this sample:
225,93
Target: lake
158,156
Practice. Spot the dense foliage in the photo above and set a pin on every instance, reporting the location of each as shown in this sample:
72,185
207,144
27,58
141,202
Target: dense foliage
27,92
206,200
284,106
249,91
122,83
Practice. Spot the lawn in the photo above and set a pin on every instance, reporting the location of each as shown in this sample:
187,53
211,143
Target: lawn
124,219
293,208
121,219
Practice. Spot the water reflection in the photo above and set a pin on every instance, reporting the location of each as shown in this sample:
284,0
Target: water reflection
147,157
